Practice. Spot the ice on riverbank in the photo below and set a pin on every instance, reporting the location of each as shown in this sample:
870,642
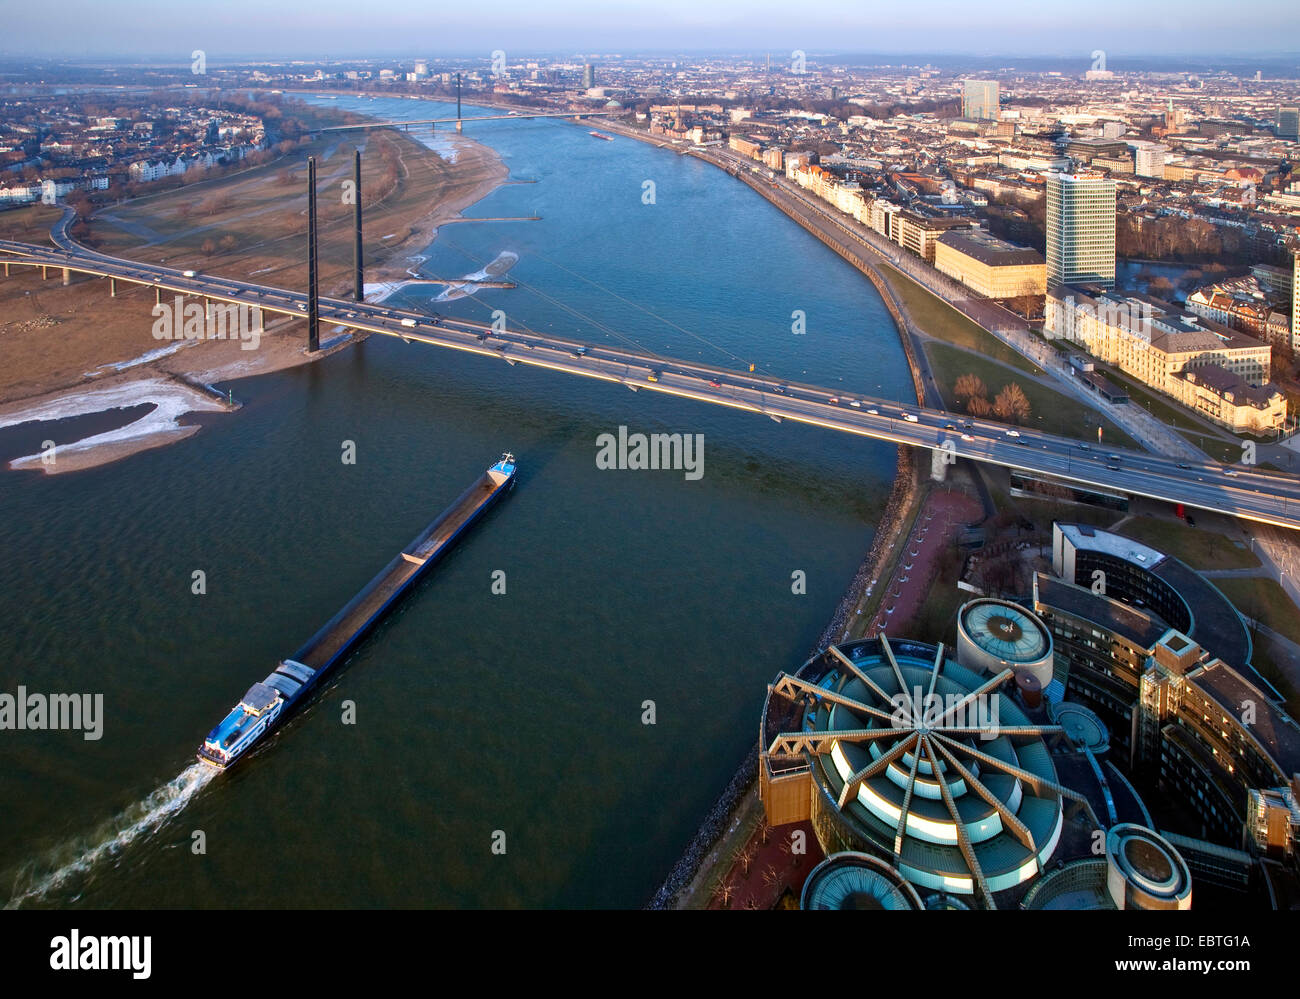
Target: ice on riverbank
170,400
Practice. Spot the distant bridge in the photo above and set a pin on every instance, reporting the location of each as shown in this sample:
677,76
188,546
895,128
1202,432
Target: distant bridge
458,121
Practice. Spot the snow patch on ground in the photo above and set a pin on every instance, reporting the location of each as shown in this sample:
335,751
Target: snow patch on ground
171,400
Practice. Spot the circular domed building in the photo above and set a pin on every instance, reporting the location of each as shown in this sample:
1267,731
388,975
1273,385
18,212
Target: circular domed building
891,749
857,881
1144,871
993,635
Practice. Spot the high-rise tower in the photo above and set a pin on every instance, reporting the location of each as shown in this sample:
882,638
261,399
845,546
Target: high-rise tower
1080,229
979,99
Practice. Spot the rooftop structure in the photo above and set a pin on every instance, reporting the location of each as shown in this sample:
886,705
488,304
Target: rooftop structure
852,880
892,749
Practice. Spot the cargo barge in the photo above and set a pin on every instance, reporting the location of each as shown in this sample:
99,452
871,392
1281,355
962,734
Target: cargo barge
269,701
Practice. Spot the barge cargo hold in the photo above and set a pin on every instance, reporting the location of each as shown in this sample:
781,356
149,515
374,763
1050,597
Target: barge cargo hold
269,701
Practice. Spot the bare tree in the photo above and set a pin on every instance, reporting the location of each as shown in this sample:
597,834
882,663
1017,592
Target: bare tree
969,387
1011,404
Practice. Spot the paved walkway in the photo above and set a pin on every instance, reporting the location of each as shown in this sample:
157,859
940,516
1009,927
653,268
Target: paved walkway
945,512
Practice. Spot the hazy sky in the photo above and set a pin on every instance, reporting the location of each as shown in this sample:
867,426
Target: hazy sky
408,27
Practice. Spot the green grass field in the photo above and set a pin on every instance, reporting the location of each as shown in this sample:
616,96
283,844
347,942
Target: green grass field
1266,600
1052,412
1199,548
943,322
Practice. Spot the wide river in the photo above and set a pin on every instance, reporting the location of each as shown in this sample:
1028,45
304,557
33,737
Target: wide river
475,714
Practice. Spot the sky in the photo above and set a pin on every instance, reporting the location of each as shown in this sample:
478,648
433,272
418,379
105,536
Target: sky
348,28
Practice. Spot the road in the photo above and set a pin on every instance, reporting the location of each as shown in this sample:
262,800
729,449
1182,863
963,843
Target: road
1239,491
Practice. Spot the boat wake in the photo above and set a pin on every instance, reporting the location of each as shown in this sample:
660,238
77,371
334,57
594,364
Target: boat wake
77,859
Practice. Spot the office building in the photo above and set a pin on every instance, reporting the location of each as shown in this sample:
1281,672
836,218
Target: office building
1288,122
979,100
989,266
1080,229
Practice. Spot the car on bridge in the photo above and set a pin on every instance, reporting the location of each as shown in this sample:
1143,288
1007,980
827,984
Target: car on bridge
714,383
1013,433
653,376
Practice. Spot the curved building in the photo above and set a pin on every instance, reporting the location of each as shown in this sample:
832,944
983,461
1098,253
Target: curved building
891,749
1144,871
1162,657
993,635
857,881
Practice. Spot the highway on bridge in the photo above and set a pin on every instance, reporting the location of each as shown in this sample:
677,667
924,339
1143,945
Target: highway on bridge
1237,490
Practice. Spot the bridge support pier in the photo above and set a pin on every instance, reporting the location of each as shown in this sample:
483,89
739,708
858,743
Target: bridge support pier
112,287
313,304
360,293
67,277
45,272
6,268
939,465
157,295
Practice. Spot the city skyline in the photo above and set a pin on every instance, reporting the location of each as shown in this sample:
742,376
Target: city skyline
389,27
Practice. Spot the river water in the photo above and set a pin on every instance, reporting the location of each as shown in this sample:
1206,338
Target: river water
481,719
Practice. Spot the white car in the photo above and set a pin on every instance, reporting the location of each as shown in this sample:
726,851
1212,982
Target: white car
967,437
1013,433
189,274
408,322
855,404
910,418
873,411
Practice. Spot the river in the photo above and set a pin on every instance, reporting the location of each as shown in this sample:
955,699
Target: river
476,714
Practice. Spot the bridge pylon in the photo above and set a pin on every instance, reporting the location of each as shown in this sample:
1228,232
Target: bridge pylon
360,293
313,304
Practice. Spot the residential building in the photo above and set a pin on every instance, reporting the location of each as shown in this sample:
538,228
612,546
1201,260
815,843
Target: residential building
1219,372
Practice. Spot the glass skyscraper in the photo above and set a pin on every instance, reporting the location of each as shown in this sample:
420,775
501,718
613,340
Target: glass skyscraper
979,99
1080,229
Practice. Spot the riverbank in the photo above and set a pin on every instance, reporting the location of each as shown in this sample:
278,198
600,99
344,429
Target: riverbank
72,347
737,812
731,820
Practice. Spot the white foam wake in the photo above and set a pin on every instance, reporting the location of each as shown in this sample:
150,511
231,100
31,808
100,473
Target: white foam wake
79,857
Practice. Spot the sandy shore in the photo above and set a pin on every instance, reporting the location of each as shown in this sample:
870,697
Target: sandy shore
75,353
